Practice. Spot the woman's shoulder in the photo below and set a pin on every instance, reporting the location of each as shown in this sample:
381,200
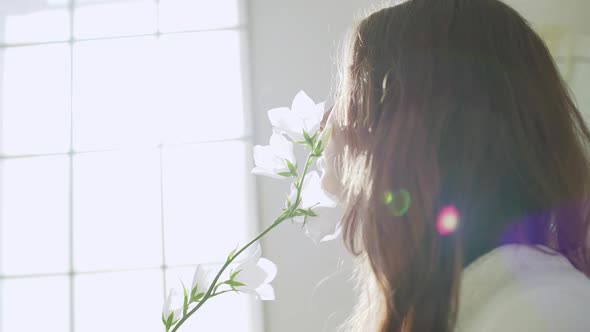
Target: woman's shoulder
523,288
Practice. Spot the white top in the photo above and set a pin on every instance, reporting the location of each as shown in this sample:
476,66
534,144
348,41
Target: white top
517,288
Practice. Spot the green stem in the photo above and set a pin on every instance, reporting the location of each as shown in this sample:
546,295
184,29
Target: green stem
300,181
222,292
284,216
207,295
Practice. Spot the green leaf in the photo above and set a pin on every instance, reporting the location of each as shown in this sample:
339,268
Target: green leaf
306,136
318,150
197,297
318,146
286,174
234,283
185,300
234,275
194,291
297,213
303,212
314,137
231,254
289,203
170,320
292,167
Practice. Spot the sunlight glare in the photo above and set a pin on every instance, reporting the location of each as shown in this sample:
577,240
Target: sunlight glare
448,220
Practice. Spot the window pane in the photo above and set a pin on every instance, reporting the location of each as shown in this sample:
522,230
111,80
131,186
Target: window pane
35,94
117,219
185,15
202,86
34,21
115,95
205,201
48,297
119,302
131,17
34,218
213,315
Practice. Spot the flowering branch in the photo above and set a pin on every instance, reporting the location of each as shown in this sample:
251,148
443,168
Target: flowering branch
276,160
209,293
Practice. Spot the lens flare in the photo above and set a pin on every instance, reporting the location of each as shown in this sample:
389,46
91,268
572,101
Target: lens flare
388,198
448,220
399,201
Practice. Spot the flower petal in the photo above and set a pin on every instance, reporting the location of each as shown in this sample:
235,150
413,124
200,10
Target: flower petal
265,157
276,115
266,172
266,292
299,220
287,121
302,103
313,195
177,315
320,108
269,268
201,279
168,304
256,277
281,147
326,226
252,277
252,256
313,118
267,162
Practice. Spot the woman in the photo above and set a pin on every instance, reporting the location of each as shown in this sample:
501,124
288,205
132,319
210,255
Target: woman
464,165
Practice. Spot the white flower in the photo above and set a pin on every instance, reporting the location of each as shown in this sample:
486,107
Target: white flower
168,310
304,115
312,194
201,281
326,226
256,273
272,159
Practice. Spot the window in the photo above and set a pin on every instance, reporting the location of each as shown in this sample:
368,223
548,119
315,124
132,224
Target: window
124,160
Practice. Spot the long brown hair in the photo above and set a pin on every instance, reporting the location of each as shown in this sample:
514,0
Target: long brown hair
453,103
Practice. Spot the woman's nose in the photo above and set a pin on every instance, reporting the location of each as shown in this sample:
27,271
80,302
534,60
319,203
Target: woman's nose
325,118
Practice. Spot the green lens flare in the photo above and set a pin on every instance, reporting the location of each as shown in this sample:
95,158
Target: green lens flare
399,201
388,197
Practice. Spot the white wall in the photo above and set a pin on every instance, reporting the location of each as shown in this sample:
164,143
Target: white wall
571,13
293,45
566,28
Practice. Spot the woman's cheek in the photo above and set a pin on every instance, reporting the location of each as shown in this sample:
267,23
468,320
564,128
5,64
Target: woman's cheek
328,164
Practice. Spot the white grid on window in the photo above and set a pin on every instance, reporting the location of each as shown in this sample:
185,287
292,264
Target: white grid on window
124,137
